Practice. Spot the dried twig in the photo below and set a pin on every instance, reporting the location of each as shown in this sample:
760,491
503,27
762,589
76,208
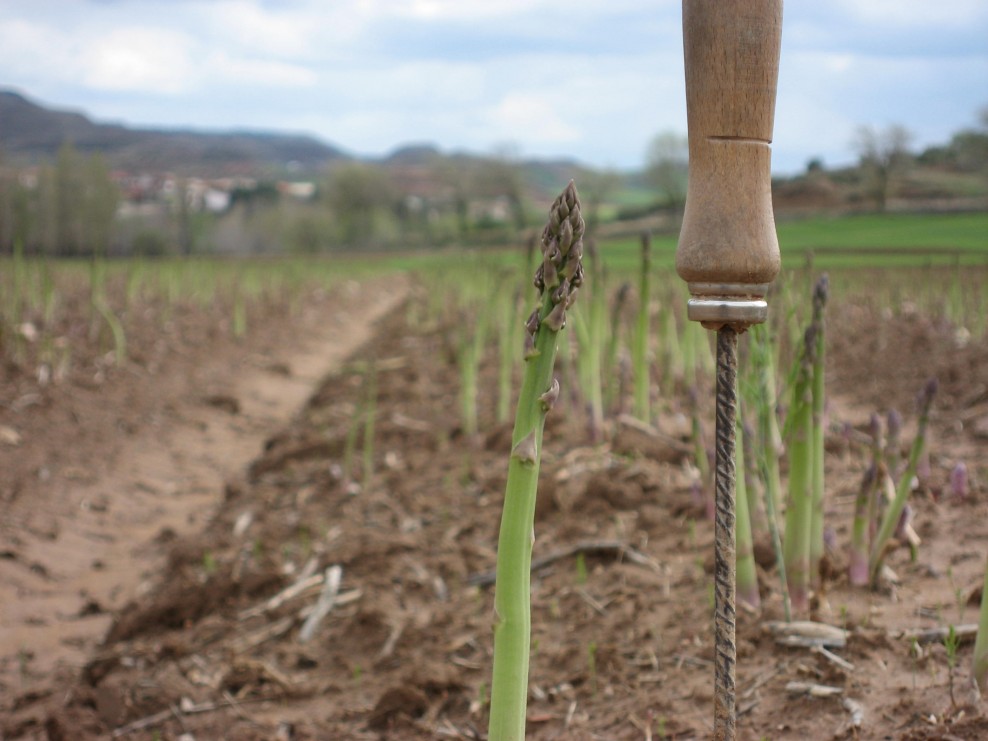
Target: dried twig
813,690
298,588
833,658
389,645
636,424
235,706
594,603
600,547
807,633
856,711
680,659
965,633
416,425
759,682
274,630
142,723
160,717
746,707
326,601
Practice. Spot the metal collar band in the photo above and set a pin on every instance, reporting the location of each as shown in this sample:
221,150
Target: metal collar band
716,312
737,305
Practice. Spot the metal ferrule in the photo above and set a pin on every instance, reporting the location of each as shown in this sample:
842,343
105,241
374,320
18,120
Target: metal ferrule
737,305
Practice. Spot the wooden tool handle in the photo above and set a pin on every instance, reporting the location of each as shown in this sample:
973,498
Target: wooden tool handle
732,62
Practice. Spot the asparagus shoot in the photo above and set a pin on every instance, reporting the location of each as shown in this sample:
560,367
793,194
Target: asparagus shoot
557,279
799,512
895,507
642,333
981,642
820,293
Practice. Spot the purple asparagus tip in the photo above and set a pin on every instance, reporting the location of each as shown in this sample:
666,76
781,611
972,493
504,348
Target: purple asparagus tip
958,481
894,423
875,428
821,292
928,392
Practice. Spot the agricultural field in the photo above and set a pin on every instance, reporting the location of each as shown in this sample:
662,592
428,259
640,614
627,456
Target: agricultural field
261,499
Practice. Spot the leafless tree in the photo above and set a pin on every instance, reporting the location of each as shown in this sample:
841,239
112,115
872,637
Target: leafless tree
884,156
666,165
595,187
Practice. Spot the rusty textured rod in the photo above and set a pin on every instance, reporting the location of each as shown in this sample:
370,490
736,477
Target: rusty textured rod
725,649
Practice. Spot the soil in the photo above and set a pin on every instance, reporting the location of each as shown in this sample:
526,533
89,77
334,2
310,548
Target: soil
199,567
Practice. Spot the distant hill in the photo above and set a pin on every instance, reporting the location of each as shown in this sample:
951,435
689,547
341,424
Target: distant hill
30,132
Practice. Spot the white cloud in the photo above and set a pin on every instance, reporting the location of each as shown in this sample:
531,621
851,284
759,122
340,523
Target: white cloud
458,10
35,51
258,71
287,32
139,59
532,116
919,14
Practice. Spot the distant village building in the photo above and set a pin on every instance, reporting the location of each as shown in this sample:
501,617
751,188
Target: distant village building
302,190
216,201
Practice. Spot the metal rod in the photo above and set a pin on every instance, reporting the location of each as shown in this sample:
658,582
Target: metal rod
725,649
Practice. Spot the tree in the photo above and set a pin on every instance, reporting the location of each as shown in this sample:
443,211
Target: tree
67,216
884,156
73,209
969,147
183,217
99,198
501,176
595,187
456,179
666,167
356,194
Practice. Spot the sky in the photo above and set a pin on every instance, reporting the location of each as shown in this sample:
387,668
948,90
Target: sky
590,80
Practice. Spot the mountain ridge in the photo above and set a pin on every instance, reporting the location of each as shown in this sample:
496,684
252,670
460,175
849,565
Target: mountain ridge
30,131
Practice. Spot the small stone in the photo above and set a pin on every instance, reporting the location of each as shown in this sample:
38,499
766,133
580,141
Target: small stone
10,436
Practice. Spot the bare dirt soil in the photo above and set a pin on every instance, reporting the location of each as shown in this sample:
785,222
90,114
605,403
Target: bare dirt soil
213,644
101,470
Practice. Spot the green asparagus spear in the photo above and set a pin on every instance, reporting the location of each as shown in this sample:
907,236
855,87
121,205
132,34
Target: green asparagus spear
557,279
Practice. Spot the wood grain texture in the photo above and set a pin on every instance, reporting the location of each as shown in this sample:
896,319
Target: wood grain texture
732,61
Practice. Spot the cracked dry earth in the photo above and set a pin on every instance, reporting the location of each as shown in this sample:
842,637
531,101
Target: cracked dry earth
399,538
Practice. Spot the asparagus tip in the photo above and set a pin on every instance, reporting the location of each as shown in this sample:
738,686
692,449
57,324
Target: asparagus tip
561,271
958,480
894,423
929,391
875,426
821,292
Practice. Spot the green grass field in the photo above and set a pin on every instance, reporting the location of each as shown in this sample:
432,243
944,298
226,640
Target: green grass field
872,240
